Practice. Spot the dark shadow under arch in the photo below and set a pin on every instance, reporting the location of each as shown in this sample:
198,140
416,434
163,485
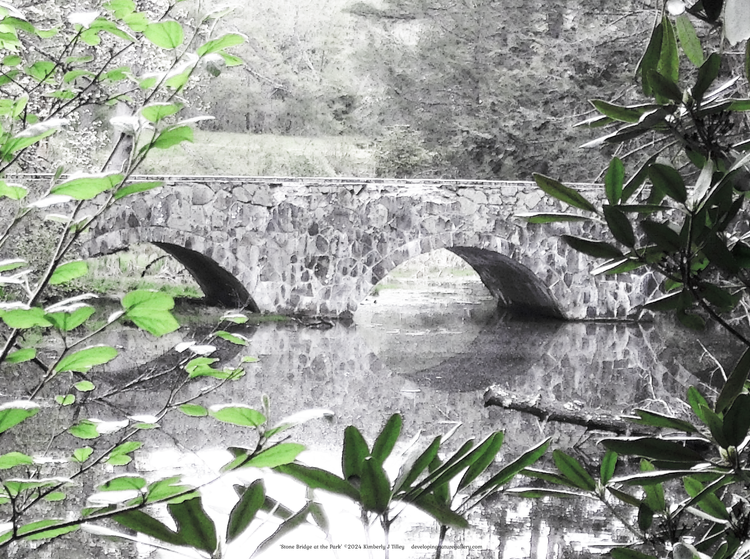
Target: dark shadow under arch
515,286
219,286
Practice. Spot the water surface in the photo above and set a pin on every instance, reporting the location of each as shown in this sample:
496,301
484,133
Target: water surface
429,356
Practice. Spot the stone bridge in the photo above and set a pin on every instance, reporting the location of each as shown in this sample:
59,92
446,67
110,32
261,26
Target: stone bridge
318,246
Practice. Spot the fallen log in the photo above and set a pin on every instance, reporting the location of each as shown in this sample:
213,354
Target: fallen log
564,412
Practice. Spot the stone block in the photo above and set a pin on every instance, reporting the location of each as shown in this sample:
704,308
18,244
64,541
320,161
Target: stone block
200,195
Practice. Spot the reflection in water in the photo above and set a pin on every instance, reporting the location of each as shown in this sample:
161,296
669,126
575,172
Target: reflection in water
433,368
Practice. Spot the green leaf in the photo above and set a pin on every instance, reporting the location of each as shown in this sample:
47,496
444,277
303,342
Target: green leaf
173,136
194,525
689,41
12,60
655,419
626,498
619,225
127,447
573,471
21,355
290,524
550,477
201,366
316,478
485,457
25,318
667,180
511,470
718,254
534,217
13,459
135,187
12,264
607,469
67,400
662,235
735,383
375,489
41,70
617,266
67,321
69,271
119,460
657,449
354,453
697,402
141,522
613,181
442,473
231,338
439,489
630,114
415,465
231,60
561,192
55,496
737,420
597,249
645,517
80,455
88,186
669,61
193,410
715,424
82,361
387,438
221,43
84,386
13,413
147,300
165,34
237,414
149,310
245,510
439,511
277,455
654,492
636,181
709,502
51,532
718,297
167,488
13,191
75,74
156,112
84,430
650,59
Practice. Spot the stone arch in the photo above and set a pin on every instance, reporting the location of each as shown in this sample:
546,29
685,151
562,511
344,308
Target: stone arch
515,285
219,285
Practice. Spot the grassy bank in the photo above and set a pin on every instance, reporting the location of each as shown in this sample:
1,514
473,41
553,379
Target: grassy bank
226,153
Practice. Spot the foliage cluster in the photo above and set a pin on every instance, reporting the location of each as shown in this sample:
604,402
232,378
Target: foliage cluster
679,213
491,87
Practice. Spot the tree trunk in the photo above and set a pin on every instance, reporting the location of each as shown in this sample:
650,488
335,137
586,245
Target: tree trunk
560,412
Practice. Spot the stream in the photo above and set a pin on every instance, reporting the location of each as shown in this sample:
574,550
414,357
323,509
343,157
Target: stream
428,353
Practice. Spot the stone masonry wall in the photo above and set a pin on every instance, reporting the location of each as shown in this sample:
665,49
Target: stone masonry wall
317,246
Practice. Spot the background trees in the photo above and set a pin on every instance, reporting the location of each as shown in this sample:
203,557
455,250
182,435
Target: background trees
471,89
